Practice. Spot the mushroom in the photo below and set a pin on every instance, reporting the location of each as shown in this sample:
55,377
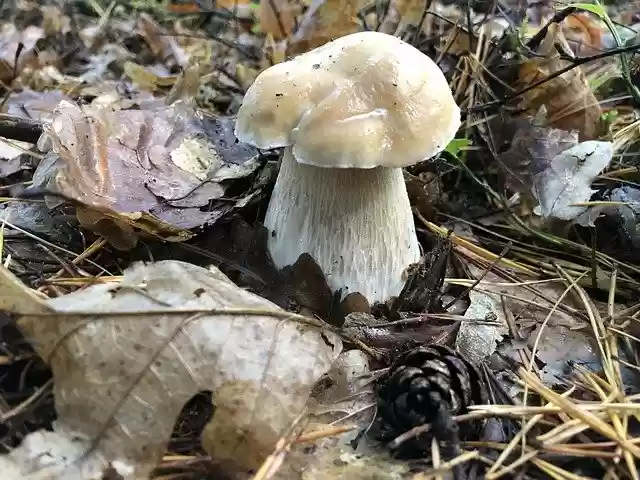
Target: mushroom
351,114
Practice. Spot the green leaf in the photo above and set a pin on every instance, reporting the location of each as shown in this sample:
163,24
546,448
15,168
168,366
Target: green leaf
457,145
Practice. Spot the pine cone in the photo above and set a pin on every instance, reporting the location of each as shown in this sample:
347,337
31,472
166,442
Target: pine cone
427,382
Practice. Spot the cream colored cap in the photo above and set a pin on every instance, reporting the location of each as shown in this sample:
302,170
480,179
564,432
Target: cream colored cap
364,100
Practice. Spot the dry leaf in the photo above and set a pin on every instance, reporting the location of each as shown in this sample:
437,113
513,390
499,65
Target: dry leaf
348,398
569,102
120,381
553,167
148,77
151,168
532,149
278,18
584,33
475,340
528,304
568,179
162,45
34,105
325,21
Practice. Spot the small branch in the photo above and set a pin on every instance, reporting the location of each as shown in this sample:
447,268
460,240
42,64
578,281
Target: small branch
20,129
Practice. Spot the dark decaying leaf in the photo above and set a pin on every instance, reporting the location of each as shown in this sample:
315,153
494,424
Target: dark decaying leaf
425,280
301,286
617,224
532,149
309,285
380,334
159,169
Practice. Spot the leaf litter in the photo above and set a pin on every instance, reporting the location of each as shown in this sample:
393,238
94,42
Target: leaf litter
137,197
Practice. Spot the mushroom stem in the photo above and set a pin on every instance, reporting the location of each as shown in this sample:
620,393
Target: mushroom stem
356,223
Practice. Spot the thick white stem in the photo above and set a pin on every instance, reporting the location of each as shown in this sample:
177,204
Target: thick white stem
356,223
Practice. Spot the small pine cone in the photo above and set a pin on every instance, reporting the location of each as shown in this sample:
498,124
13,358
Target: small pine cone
426,382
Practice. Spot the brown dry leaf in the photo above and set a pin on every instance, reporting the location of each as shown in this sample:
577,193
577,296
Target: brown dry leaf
163,46
584,33
120,381
326,21
153,168
278,18
569,102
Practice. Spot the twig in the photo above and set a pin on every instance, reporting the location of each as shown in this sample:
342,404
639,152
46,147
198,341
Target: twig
249,312
575,62
20,129
505,250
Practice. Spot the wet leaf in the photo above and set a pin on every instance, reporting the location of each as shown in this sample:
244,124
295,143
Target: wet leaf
309,285
151,169
617,222
121,380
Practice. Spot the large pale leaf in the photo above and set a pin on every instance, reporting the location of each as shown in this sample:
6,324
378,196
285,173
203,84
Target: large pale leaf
120,380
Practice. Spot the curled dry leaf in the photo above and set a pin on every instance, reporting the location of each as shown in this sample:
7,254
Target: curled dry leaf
150,78
584,33
152,169
120,381
569,101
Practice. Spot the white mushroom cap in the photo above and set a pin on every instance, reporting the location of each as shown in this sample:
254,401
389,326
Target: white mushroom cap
361,106
364,100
